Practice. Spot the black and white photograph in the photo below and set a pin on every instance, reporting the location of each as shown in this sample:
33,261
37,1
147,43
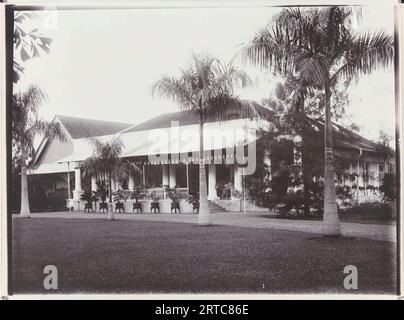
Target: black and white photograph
202,149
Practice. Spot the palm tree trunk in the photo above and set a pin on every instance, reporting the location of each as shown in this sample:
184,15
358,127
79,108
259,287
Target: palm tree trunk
24,210
331,226
305,176
204,217
111,215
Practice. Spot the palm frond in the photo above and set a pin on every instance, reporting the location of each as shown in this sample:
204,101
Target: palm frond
124,168
51,130
175,89
202,85
365,53
225,108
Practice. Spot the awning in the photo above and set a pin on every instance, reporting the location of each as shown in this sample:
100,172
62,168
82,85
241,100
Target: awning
47,168
174,141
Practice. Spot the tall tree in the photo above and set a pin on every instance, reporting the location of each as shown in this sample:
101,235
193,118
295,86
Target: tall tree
26,125
206,88
106,164
320,47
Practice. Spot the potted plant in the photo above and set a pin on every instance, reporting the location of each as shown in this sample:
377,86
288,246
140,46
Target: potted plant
102,194
118,197
89,197
174,195
154,204
193,202
139,192
226,191
219,190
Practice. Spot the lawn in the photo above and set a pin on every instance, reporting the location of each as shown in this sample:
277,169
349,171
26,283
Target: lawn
94,255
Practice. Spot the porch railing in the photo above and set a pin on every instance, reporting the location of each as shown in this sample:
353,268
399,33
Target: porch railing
161,194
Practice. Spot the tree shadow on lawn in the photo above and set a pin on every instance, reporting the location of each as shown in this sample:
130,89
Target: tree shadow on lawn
160,257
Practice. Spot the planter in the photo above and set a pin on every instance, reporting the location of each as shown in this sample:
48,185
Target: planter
165,206
185,206
145,205
127,205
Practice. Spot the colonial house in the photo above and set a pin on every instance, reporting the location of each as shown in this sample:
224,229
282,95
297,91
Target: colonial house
166,149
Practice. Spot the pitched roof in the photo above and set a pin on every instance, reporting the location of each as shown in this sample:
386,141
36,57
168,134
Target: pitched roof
84,128
164,121
184,119
345,138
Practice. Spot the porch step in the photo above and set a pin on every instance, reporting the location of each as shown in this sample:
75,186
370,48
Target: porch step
214,207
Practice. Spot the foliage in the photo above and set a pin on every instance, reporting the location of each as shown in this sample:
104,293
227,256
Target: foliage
102,190
121,194
57,200
173,194
384,138
206,87
388,187
154,196
38,199
89,196
319,44
139,192
26,123
238,194
369,211
106,163
193,199
27,44
316,49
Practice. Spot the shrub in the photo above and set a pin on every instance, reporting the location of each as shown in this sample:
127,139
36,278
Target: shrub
139,192
173,194
120,195
57,200
388,187
90,196
369,210
38,200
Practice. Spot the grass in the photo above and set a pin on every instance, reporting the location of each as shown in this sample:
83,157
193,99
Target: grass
348,219
131,256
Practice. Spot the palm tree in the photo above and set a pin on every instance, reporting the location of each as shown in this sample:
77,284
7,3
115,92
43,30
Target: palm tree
320,47
26,125
106,163
206,88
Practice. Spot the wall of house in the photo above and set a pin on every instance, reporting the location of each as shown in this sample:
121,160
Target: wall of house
55,151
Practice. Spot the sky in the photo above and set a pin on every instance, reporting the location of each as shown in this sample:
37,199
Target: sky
103,63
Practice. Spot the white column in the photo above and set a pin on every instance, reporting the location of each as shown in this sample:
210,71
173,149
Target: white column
360,174
113,184
238,179
93,183
212,182
131,182
77,186
173,177
166,178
